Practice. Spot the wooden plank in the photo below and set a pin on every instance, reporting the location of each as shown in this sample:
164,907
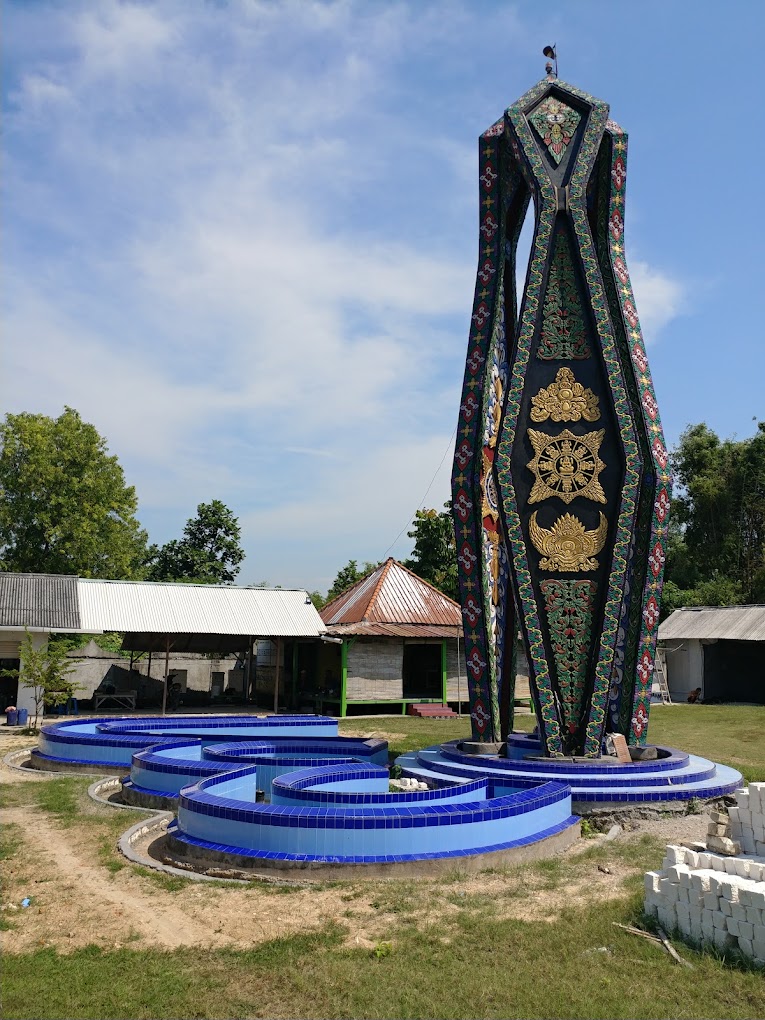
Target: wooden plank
620,746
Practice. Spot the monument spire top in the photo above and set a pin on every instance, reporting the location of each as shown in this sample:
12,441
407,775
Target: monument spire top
551,67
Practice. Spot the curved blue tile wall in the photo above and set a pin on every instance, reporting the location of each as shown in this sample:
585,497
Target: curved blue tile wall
109,742
344,814
675,775
164,769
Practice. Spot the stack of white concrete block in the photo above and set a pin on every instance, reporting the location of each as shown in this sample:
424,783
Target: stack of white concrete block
717,898
747,819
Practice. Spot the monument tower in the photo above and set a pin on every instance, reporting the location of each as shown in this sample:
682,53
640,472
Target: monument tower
560,484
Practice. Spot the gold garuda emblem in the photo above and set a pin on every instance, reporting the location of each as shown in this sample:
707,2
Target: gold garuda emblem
566,466
565,400
567,545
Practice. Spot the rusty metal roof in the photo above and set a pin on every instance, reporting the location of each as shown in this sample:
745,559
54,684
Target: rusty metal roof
403,630
392,594
722,623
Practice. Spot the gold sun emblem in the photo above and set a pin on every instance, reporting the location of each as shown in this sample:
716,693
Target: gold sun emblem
566,466
567,545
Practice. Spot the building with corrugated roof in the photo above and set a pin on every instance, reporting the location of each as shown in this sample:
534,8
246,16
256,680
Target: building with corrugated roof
204,635
393,639
719,649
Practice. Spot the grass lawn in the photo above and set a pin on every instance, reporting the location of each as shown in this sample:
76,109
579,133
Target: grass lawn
731,734
531,941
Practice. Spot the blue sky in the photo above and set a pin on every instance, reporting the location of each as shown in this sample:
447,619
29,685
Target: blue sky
241,238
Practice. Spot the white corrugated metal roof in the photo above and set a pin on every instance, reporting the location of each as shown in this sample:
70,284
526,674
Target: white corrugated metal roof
162,608
723,623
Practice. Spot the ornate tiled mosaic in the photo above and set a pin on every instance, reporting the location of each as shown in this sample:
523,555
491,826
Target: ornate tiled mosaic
550,512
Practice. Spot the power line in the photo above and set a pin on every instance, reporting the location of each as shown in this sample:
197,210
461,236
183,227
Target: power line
449,446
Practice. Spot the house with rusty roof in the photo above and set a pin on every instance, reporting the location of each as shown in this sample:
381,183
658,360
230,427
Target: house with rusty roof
392,639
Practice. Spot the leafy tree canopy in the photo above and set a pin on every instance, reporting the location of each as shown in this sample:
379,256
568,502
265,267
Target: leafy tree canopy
208,553
434,557
716,552
64,504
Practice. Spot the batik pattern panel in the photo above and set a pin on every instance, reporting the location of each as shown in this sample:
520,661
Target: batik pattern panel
467,472
622,672
625,423
495,569
659,522
569,606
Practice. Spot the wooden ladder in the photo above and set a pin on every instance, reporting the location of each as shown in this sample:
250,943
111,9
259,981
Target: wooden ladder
660,672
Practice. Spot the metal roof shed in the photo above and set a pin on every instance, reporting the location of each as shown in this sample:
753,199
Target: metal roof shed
720,623
720,649
160,617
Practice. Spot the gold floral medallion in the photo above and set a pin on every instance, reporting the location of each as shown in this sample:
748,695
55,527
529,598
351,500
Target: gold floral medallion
565,400
567,545
566,466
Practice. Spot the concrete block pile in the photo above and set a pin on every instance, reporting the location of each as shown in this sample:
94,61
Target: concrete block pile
714,894
747,819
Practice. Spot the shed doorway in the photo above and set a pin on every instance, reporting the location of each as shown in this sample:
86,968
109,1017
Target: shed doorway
422,671
9,686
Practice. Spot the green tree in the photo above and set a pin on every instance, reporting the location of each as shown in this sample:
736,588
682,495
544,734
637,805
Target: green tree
434,557
346,577
208,553
46,670
716,550
64,504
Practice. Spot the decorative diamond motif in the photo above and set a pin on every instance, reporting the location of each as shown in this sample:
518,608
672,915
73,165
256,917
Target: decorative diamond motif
556,123
564,332
568,604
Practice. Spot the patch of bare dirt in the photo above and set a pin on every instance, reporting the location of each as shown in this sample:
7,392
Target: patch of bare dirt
676,828
76,901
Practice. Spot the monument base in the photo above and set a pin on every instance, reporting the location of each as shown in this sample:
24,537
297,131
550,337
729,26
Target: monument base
673,776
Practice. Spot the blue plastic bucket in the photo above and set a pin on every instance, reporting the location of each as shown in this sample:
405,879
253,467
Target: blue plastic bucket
23,714
11,718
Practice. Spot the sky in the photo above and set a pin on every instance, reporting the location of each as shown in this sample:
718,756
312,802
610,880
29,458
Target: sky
240,238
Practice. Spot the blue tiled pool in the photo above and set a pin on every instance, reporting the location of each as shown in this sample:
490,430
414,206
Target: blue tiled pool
110,742
344,814
289,789
165,768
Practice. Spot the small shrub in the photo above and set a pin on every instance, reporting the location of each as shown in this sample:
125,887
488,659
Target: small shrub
588,830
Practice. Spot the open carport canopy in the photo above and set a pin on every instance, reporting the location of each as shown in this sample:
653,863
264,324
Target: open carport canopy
156,617
208,644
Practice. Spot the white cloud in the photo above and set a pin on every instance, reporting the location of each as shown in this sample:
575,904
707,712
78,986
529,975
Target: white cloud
659,298
117,38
